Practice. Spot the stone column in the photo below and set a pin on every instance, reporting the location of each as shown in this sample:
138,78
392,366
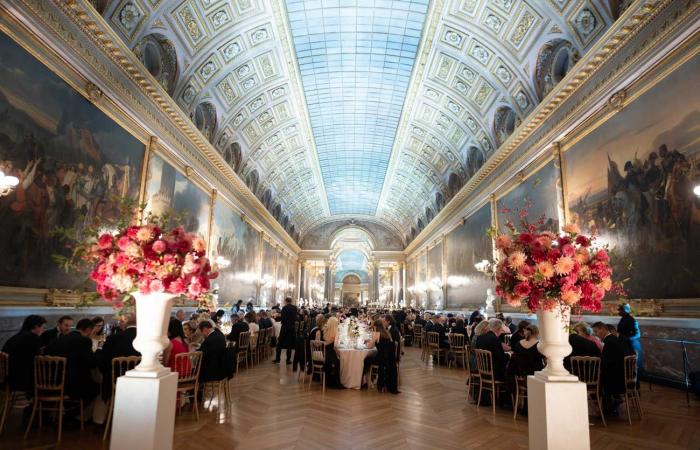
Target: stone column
327,282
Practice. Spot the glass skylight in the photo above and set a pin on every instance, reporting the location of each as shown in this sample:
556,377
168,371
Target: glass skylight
355,58
352,260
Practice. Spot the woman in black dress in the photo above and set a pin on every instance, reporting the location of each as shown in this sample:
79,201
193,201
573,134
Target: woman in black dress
332,366
386,358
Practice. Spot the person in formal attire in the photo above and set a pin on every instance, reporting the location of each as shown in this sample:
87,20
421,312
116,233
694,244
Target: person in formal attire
628,330
264,321
527,359
21,350
237,307
332,365
580,346
178,344
287,333
490,341
440,328
116,345
180,315
475,314
385,358
76,347
459,328
315,334
237,327
511,326
213,350
63,327
391,327
249,307
612,368
519,333
326,309
98,331
586,332
476,321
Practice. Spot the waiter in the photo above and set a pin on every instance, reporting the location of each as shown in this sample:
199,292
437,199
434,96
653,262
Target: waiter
287,335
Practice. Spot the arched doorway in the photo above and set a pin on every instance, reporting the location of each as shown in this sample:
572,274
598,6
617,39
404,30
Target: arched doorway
351,290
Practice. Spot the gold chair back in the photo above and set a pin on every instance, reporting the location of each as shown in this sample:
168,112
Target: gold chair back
49,373
631,372
188,366
121,365
484,364
318,351
418,332
587,369
456,341
244,340
433,339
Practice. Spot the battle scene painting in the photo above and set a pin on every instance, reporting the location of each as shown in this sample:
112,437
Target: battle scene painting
466,245
74,163
435,291
268,275
235,248
536,195
633,179
170,193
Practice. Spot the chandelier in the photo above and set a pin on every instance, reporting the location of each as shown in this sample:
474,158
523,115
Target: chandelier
7,183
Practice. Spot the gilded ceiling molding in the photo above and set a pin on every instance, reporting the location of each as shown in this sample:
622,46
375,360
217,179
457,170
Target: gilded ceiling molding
590,78
178,134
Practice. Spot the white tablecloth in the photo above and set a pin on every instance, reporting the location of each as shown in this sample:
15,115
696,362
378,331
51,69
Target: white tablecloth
351,365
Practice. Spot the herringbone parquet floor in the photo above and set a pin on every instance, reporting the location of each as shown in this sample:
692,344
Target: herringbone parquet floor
272,410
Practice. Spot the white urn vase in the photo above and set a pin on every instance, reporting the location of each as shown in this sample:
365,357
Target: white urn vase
554,342
152,317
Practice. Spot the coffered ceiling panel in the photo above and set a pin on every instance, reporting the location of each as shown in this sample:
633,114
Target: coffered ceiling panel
375,109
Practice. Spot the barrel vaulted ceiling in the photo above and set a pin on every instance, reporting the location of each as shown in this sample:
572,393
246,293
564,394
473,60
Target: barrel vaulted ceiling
374,109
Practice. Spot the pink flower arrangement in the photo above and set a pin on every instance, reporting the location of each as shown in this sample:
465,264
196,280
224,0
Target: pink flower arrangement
144,259
547,270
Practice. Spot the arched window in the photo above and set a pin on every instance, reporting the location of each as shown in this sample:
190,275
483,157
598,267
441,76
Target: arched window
504,123
252,180
475,159
205,119
159,57
554,61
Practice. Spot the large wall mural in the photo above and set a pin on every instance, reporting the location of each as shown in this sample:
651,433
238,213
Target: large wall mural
421,290
411,282
267,280
74,164
434,284
632,178
467,245
237,244
537,195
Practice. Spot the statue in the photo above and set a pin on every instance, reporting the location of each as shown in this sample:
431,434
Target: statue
490,298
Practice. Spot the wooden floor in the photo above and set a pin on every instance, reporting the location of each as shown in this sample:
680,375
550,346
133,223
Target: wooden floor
271,410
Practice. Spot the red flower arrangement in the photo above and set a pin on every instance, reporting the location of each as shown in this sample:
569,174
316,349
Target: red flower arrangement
144,259
547,270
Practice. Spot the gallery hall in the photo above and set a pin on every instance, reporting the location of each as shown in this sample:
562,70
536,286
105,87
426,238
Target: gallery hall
349,224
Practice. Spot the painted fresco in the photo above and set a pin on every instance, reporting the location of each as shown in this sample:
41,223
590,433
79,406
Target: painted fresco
467,245
168,192
633,177
435,292
235,247
291,277
281,282
268,275
422,281
411,283
537,194
74,164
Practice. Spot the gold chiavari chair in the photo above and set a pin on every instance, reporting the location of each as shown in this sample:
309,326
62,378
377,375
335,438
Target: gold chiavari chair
434,348
302,369
318,361
242,351
520,393
472,375
221,389
487,380
268,342
587,369
631,391
457,349
49,387
188,366
418,335
260,345
120,366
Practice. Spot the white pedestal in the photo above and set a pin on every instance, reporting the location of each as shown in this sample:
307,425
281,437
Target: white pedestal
144,412
557,414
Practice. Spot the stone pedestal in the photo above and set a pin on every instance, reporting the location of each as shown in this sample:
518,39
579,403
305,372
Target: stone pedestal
144,412
557,413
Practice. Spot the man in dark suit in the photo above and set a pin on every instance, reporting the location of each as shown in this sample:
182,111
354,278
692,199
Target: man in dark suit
239,326
213,350
116,345
21,349
580,346
490,341
612,368
76,347
287,337
440,328
65,323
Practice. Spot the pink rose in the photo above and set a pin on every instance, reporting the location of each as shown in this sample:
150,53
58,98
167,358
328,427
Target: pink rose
123,243
156,286
159,246
105,241
522,289
602,255
194,289
177,286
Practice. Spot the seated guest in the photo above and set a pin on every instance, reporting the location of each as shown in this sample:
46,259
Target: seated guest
193,337
254,328
213,350
475,314
519,333
237,327
21,350
511,326
116,345
490,341
316,333
391,327
480,329
612,368
65,323
527,358
264,321
98,331
477,320
580,346
459,328
585,331
385,357
76,347
180,315
440,328
217,317
178,345
332,364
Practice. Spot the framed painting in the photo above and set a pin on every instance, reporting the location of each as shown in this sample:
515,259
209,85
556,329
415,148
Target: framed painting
632,178
411,283
466,245
235,247
281,279
435,289
267,279
422,280
537,195
74,163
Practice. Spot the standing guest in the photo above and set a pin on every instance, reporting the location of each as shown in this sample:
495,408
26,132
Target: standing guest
76,347
116,345
177,345
287,336
612,368
628,329
213,350
180,315
65,323
21,349
326,309
490,341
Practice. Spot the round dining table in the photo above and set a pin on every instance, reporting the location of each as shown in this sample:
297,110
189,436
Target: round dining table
352,361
